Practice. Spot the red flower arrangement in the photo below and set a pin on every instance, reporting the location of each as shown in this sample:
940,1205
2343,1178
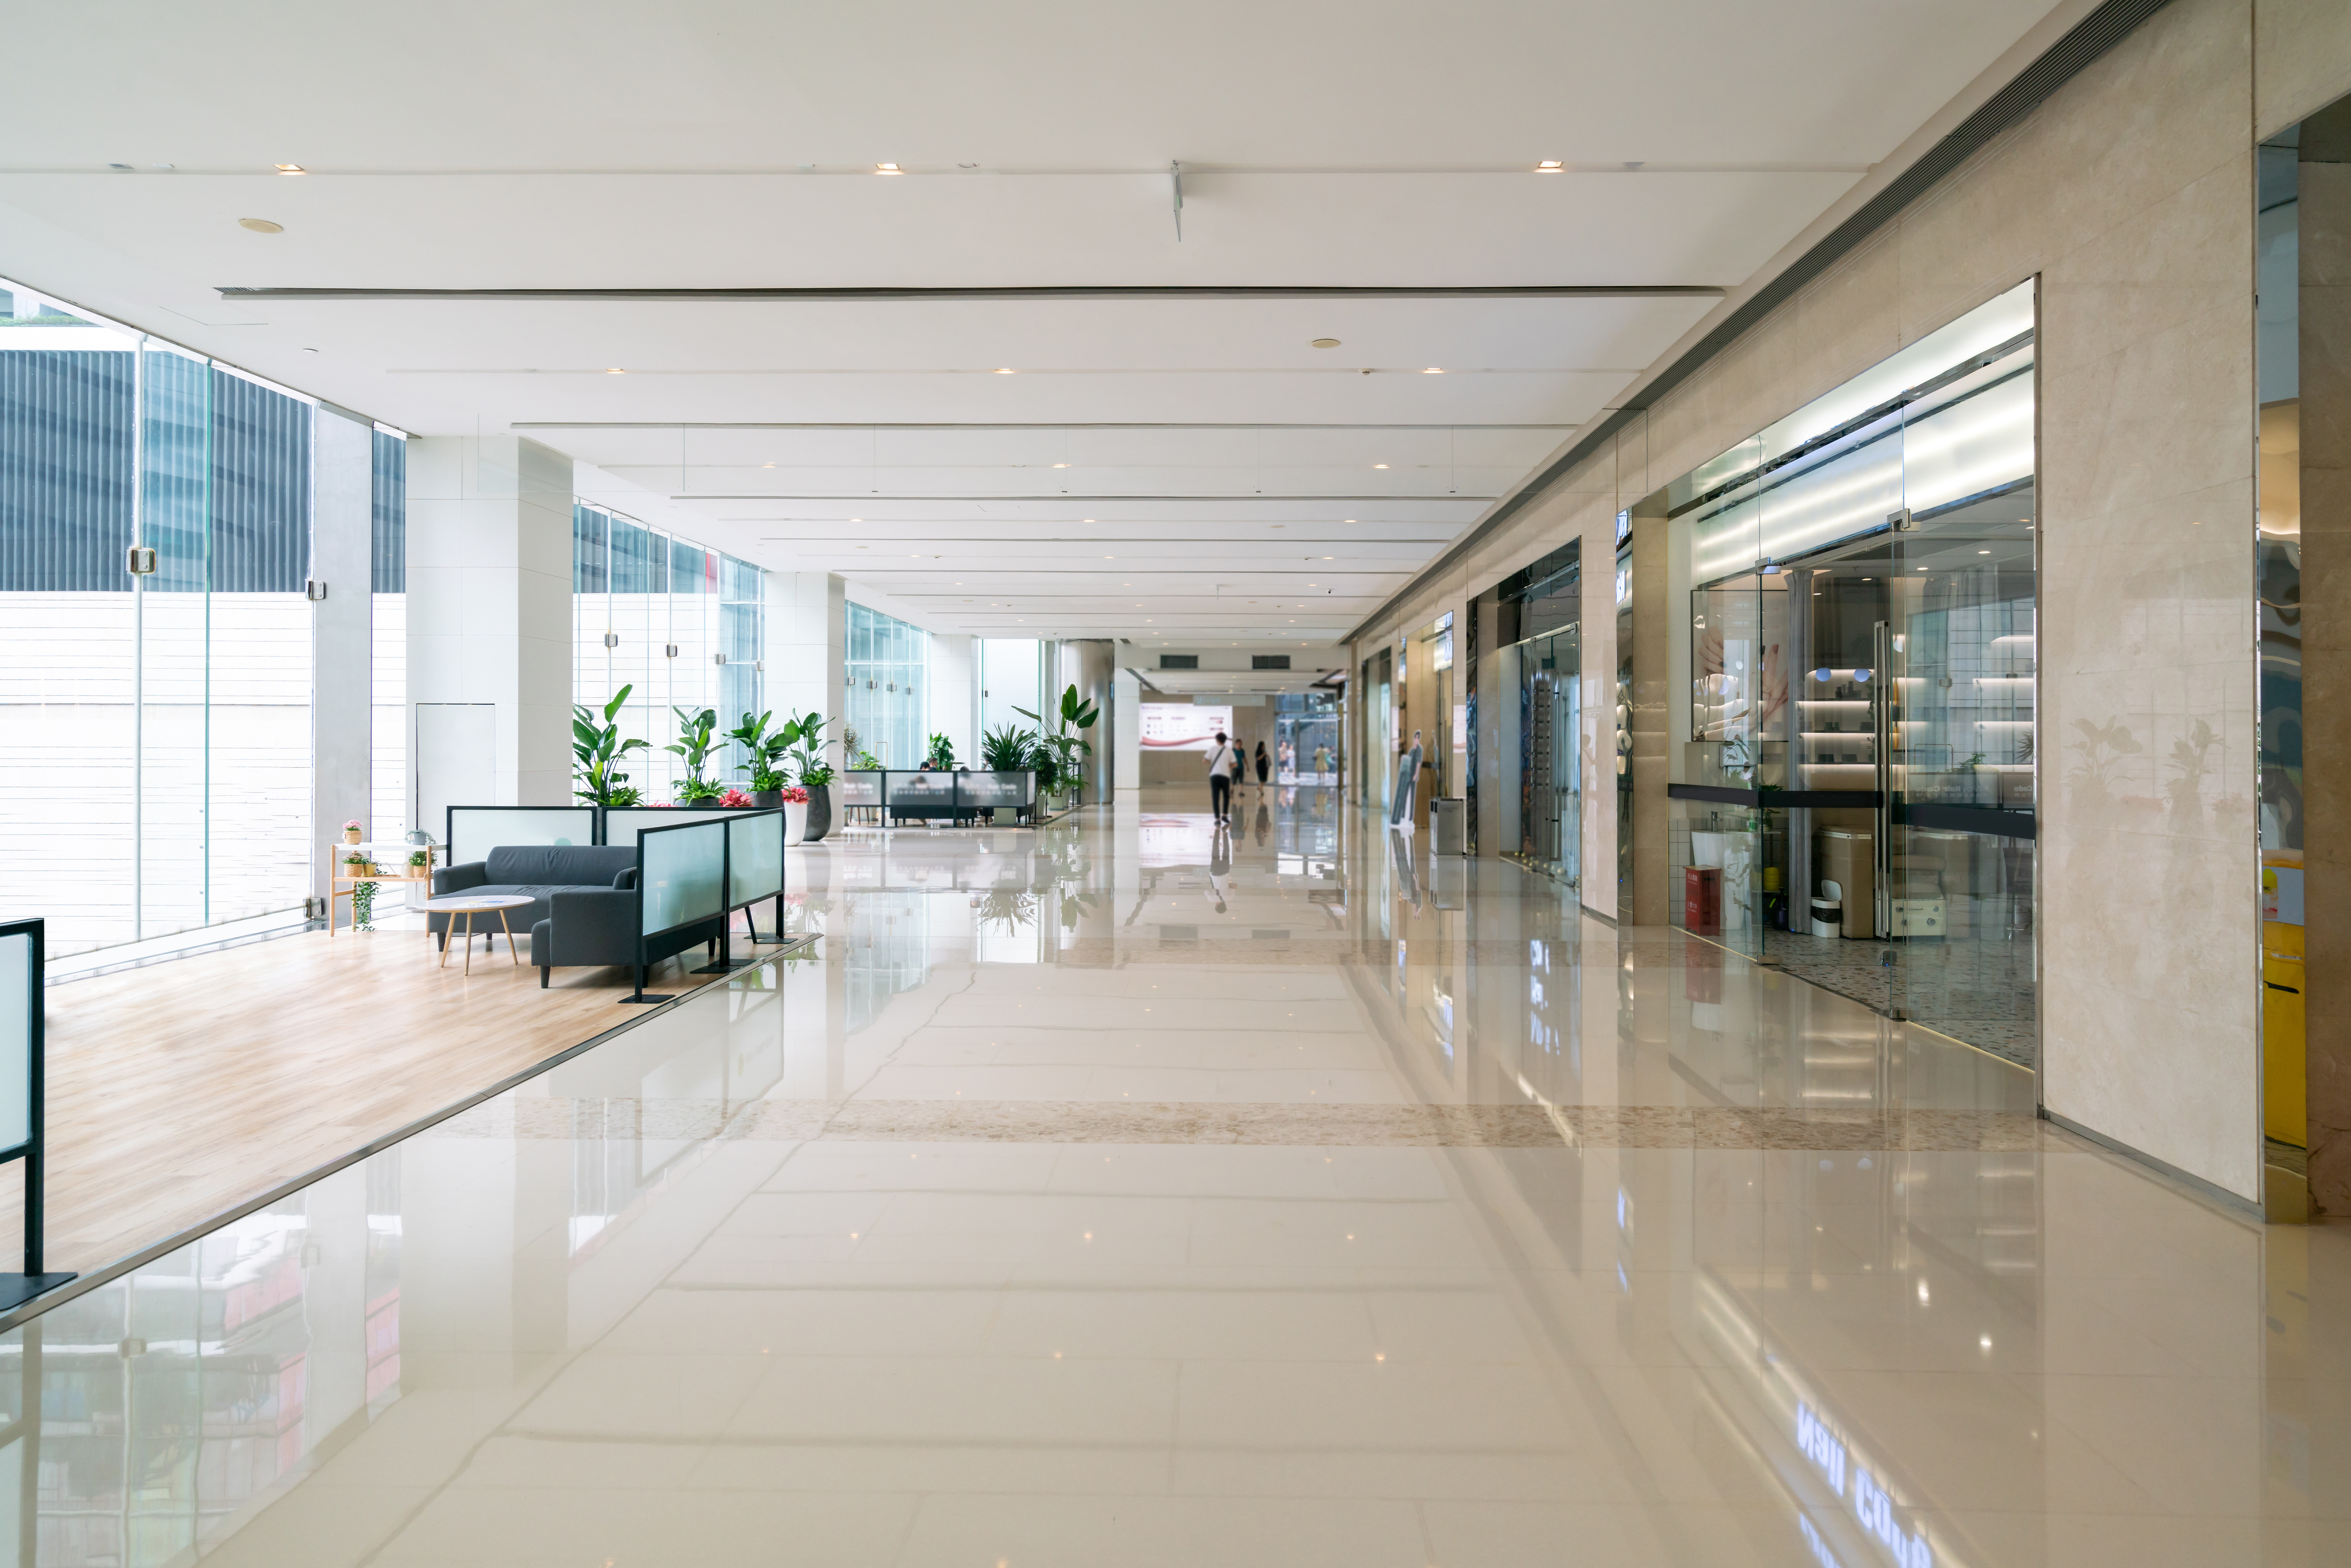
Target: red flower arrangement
795,796
735,797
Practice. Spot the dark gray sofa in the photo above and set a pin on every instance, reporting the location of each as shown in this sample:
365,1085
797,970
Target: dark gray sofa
583,908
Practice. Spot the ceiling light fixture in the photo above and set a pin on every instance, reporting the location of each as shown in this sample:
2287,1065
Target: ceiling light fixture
261,225
1375,466
1061,466
1326,342
290,168
1548,166
1004,373
614,371
1432,371
887,169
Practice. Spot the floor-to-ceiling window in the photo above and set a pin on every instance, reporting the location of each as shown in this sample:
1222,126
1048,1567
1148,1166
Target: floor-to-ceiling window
157,771
886,670
1010,678
676,623
387,569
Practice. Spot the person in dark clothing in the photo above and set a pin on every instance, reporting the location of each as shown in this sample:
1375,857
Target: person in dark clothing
1264,768
1223,763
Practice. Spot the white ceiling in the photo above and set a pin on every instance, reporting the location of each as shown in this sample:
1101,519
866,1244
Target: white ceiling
1223,476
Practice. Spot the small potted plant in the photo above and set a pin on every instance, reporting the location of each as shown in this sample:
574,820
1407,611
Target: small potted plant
420,863
355,866
696,741
352,830
795,803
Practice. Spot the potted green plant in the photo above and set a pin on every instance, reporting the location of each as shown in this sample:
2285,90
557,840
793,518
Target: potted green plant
815,774
356,864
940,754
1066,741
420,863
597,745
696,741
764,753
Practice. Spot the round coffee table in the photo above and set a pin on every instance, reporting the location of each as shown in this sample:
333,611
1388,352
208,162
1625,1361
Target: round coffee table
468,905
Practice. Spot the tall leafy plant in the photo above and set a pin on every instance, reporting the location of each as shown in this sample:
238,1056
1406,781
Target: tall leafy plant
696,741
764,750
1065,742
808,731
941,754
1005,749
596,746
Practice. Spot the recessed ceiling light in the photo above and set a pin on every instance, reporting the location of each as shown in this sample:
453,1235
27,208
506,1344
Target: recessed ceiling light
1004,373
1375,466
1548,166
1326,342
1432,371
887,169
291,169
1061,466
1984,552
261,225
615,371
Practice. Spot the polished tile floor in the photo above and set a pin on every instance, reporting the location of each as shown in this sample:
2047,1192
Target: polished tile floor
1124,1194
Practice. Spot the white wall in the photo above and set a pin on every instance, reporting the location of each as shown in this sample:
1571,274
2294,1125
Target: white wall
804,613
952,696
489,598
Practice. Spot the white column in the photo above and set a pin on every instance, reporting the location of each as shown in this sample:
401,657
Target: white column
953,695
1126,737
489,602
341,654
805,615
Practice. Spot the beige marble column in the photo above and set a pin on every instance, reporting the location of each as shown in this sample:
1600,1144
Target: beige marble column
2325,439
1652,655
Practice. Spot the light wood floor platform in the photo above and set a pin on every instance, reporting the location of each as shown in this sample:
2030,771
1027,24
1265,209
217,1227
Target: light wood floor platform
179,1089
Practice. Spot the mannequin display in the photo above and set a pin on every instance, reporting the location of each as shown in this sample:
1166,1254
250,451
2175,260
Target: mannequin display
1400,814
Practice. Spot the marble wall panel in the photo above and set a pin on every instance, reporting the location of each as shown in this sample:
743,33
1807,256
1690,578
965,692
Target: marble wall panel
2302,58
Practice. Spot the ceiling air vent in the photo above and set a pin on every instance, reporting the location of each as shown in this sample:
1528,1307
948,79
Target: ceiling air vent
1269,661
1179,661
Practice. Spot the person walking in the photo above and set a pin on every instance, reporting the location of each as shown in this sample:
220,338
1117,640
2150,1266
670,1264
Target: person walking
1221,768
1264,768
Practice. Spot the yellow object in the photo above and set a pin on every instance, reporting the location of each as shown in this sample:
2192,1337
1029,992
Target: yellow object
2285,1082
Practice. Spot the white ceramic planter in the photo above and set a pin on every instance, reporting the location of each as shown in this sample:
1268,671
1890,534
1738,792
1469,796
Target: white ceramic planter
795,820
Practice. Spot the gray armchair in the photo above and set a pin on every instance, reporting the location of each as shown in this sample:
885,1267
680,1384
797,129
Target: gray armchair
597,926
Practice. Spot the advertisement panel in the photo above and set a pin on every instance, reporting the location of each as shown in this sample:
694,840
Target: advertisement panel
1183,726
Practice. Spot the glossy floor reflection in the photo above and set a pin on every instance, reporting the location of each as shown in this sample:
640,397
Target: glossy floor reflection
1128,1194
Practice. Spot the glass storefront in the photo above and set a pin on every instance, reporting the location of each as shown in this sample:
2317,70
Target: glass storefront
1537,673
1852,720
1306,738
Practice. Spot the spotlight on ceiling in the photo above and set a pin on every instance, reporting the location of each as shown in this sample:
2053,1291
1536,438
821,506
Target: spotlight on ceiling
887,169
1326,342
1548,166
290,168
261,225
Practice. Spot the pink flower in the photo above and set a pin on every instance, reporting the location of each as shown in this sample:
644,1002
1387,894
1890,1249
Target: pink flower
795,796
735,797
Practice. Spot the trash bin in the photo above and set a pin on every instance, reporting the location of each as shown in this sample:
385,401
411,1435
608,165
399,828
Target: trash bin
1450,821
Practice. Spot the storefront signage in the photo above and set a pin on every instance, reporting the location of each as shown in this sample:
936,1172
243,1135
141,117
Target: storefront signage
1183,726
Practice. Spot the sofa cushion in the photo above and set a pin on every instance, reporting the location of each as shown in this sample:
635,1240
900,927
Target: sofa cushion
558,865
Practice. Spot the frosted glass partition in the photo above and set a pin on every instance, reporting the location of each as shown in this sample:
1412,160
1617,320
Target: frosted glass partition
20,992
755,856
991,790
623,823
475,830
859,787
682,872
919,791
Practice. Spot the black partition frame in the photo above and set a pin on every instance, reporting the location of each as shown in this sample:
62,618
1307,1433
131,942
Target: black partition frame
724,822
18,1288
449,822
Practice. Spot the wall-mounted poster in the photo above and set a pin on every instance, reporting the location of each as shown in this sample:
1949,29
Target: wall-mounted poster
1183,726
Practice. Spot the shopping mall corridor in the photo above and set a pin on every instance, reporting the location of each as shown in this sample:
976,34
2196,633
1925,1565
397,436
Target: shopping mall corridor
1124,1192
